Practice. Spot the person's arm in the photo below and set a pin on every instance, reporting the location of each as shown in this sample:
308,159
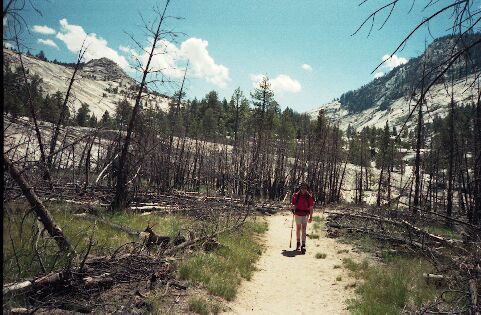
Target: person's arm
311,208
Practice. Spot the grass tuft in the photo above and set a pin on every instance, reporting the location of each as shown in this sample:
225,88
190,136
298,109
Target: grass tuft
314,236
391,288
338,278
321,256
444,231
199,305
221,271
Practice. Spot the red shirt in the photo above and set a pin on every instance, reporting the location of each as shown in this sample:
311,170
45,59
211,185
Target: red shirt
303,203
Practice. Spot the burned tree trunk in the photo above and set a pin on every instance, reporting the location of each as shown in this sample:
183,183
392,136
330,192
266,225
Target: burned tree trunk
33,114
417,163
120,198
42,213
56,131
449,208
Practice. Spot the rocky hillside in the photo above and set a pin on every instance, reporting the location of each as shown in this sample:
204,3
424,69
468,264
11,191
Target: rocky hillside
100,83
387,98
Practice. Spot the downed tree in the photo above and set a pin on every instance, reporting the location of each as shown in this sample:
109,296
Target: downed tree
458,262
42,213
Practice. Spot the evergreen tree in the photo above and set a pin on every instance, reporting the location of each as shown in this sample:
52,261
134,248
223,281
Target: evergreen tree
83,115
41,56
123,111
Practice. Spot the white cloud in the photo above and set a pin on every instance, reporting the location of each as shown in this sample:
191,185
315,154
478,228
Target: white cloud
74,35
378,74
203,65
306,67
8,45
168,57
165,59
43,29
394,61
47,42
125,49
280,84
256,79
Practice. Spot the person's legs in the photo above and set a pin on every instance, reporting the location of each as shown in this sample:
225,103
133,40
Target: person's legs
298,235
304,229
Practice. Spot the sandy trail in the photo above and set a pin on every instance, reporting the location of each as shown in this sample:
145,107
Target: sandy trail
286,283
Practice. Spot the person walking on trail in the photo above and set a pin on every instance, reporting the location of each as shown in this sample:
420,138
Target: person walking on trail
302,207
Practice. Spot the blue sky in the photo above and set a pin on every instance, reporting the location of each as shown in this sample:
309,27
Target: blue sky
305,47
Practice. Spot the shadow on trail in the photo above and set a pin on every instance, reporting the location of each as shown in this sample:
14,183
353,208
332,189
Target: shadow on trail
290,253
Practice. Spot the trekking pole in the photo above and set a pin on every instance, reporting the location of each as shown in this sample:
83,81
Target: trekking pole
292,226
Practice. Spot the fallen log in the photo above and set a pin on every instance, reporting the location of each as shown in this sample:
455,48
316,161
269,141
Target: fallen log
402,223
433,276
51,280
55,280
174,249
101,281
42,213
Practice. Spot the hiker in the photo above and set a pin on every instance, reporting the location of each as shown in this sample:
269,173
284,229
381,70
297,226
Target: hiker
302,205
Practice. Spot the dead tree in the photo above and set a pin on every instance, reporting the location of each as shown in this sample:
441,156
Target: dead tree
61,117
449,208
42,213
120,198
33,114
476,215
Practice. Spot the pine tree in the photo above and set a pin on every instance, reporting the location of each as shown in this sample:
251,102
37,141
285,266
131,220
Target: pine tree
83,115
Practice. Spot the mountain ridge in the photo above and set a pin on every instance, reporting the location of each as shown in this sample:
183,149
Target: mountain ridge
100,83
388,98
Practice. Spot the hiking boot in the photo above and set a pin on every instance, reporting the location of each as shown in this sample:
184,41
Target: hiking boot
298,246
303,249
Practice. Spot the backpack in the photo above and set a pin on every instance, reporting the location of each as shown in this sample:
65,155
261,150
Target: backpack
309,195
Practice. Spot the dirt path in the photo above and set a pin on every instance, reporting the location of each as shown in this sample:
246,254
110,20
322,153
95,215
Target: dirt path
296,284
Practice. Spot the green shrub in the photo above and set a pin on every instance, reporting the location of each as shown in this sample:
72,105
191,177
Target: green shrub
198,305
221,271
391,288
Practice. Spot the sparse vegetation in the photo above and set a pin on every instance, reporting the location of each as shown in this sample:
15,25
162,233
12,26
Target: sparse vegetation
221,271
18,230
321,255
391,288
199,305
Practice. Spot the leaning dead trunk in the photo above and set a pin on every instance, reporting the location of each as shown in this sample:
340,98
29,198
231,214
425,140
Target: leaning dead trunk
61,118
42,213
